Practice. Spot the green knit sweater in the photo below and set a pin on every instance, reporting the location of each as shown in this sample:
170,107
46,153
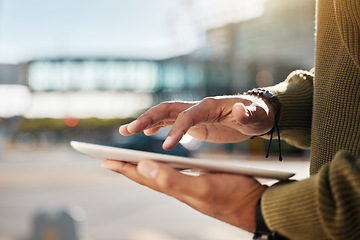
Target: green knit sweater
321,111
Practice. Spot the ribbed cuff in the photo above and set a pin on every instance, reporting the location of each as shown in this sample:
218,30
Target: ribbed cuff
290,209
296,98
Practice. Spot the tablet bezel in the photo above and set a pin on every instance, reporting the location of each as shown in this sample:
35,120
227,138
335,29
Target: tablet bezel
102,152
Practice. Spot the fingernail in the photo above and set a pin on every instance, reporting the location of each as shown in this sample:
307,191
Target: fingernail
167,142
147,169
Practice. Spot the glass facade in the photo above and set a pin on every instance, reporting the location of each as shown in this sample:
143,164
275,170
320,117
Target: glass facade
67,75
115,75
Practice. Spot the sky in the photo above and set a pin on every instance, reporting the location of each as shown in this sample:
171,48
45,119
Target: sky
136,28
155,29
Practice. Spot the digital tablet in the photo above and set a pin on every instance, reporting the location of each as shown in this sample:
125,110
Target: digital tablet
102,152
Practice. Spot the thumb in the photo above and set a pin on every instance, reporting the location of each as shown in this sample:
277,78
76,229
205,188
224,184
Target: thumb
148,168
248,115
164,178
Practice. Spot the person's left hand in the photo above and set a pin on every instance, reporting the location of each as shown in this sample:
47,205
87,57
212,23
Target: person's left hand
228,197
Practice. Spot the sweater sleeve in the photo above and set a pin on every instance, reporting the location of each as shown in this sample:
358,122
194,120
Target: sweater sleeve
296,98
347,13
323,206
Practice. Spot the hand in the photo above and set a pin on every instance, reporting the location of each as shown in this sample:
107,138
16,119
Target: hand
228,197
216,119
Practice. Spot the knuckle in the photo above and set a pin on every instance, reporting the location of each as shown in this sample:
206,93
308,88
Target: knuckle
185,115
165,105
146,118
170,108
187,121
208,101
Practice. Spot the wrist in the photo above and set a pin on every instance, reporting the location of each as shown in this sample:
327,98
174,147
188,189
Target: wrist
261,229
273,103
246,217
269,98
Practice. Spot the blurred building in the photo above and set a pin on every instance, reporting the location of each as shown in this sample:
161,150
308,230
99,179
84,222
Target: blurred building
109,88
173,77
283,35
233,58
12,74
261,51
14,95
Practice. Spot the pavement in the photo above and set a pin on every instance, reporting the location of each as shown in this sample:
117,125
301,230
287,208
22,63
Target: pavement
106,205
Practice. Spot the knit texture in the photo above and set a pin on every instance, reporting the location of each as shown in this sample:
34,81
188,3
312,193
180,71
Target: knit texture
296,97
327,205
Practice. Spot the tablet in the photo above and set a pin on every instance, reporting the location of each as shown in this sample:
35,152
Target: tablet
102,152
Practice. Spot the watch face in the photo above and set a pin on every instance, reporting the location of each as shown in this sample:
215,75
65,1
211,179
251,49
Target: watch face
269,96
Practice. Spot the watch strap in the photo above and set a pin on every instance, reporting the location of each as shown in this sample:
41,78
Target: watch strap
262,232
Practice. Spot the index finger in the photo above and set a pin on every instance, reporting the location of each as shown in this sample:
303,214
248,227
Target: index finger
207,110
153,116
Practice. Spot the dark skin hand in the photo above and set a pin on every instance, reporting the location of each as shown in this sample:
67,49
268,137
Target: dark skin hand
228,197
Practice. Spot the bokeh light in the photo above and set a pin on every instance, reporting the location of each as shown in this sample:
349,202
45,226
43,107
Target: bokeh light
71,122
264,79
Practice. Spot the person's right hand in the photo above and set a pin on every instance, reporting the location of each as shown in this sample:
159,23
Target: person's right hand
214,119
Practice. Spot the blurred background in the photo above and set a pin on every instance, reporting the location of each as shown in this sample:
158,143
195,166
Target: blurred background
78,69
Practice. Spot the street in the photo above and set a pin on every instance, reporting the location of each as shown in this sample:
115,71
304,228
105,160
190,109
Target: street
107,206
